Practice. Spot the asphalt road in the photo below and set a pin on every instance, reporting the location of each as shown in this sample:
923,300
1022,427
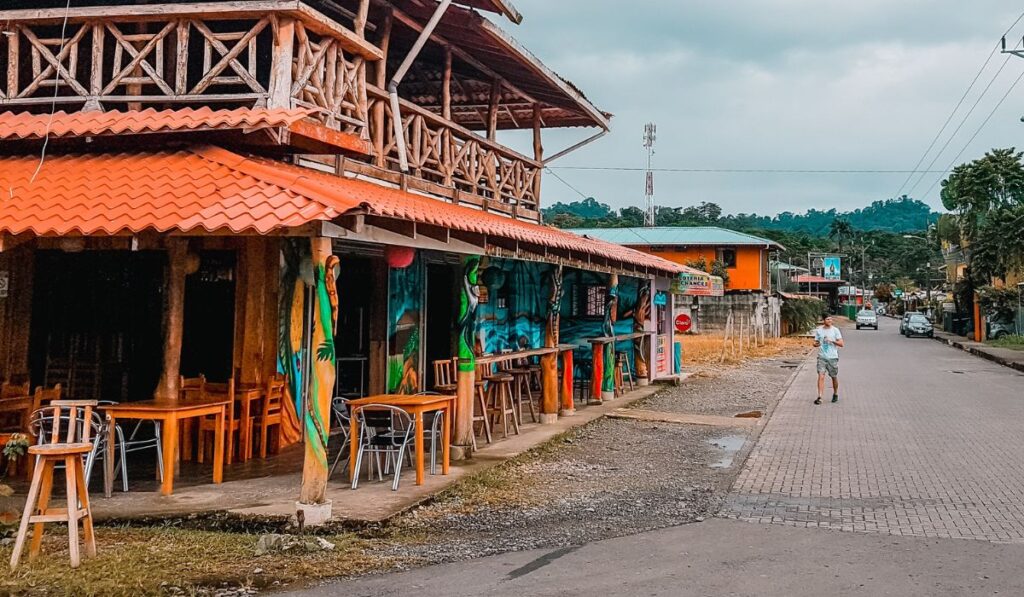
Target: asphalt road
913,484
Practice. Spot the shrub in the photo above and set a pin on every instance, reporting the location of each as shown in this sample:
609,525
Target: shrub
802,313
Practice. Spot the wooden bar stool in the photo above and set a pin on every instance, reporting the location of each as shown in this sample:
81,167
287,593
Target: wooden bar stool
502,406
623,373
522,380
480,408
71,452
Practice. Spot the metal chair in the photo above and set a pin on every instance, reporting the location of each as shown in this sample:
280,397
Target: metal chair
341,413
43,425
133,443
383,430
432,423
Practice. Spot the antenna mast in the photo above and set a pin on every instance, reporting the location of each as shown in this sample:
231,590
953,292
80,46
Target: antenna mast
650,136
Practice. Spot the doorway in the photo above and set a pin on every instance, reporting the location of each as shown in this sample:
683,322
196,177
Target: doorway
352,336
208,332
97,323
441,316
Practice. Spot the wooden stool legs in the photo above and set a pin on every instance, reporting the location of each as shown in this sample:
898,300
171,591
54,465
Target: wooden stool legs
502,406
39,494
481,403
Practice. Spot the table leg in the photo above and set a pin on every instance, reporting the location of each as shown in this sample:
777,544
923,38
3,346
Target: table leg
446,439
108,458
243,432
419,447
353,444
170,439
218,446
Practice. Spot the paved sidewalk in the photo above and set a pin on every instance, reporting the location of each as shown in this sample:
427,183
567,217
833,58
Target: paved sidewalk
926,441
1003,356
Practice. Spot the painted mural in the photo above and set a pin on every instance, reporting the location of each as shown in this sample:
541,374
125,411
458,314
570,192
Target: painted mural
469,300
307,317
291,345
405,323
515,315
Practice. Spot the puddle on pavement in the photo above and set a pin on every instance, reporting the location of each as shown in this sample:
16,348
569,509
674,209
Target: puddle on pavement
729,445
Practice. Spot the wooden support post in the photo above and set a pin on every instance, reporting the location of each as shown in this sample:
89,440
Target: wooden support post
597,377
359,24
492,110
978,320
280,89
96,68
380,126
538,151
446,112
549,362
641,315
468,300
317,416
174,317
568,404
611,308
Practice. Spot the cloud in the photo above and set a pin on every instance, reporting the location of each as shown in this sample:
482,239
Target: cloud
771,84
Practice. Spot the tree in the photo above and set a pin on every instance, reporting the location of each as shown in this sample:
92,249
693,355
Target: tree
988,198
840,230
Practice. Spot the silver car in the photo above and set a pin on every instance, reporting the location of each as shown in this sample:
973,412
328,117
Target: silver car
918,325
867,318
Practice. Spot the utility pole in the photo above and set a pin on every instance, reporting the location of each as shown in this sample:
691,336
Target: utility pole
650,136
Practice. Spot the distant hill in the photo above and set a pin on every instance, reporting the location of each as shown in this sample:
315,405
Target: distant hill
891,215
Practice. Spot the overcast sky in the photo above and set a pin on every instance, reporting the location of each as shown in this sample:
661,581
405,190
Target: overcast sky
801,84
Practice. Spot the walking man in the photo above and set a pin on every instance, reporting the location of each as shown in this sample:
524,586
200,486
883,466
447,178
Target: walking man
829,340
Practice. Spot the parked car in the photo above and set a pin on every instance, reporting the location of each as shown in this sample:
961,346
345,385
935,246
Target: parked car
999,328
906,318
866,318
918,325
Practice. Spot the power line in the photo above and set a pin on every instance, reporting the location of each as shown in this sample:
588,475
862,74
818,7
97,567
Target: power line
739,170
963,121
563,181
949,118
971,140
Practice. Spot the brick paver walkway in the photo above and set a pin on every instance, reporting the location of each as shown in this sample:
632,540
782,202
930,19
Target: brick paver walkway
926,440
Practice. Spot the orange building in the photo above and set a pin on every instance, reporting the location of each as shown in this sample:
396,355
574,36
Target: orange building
744,255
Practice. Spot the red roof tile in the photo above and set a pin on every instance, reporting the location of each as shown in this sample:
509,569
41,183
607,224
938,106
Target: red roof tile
212,189
23,125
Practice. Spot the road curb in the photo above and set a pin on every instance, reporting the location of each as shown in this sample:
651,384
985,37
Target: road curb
980,353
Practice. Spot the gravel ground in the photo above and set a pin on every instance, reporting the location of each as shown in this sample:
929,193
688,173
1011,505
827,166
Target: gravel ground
611,478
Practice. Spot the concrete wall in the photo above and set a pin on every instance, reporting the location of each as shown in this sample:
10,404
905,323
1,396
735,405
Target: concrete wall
760,309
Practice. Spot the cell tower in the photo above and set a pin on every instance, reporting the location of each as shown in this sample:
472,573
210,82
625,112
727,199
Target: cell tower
650,136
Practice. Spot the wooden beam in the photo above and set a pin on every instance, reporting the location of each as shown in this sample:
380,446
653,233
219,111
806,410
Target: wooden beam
538,150
492,110
381,75
446,85
174,317
359,23
281,69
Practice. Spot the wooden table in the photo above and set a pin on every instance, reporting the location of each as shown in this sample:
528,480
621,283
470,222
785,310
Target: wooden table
169,412
415,406
490,359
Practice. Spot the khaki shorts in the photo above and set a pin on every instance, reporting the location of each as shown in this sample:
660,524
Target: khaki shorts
829,366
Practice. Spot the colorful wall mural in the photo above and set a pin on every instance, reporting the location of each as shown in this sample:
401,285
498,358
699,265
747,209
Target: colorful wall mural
515,314
405,324
308,315
469,300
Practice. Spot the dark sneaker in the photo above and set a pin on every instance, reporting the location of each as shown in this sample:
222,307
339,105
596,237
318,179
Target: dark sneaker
817,400
835,398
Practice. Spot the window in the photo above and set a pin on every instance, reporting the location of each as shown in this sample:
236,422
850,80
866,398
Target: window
727,257
588,301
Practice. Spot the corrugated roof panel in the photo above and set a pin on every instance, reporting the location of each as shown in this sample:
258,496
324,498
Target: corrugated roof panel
671,235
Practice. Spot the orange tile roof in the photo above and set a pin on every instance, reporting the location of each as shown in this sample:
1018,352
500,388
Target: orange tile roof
213,189
24,125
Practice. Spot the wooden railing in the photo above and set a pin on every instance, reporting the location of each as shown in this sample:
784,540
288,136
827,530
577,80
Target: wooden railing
161,58
451,156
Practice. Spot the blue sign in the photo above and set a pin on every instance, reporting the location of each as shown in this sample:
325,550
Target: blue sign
832,268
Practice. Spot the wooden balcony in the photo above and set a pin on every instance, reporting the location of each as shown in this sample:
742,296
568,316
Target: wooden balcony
451,161
238,54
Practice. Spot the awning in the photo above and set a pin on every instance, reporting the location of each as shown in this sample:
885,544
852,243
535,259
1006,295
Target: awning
210,189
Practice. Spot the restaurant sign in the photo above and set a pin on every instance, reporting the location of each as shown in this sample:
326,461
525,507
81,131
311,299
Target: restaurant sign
698,285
